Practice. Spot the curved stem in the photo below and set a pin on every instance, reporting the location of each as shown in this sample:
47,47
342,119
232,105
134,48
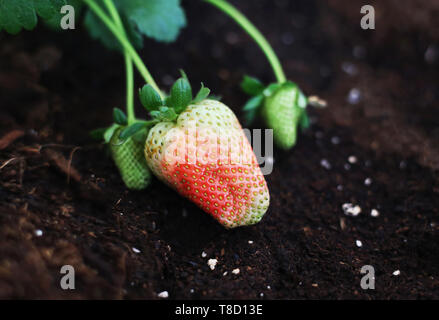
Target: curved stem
250,28
128,64
125,43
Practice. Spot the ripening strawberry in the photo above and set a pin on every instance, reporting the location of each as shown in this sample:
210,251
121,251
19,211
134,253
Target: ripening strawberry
202,152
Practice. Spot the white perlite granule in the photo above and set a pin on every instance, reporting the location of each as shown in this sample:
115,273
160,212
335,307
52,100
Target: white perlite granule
163,294
212,263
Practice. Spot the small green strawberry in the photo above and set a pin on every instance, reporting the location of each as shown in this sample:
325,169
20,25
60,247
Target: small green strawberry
199,149
126,143
283,106
283,110
130,160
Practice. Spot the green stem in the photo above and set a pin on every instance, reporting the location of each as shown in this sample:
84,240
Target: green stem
130,89
250,28
128,63
125,43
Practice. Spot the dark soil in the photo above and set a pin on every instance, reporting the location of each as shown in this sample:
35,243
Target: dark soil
55,88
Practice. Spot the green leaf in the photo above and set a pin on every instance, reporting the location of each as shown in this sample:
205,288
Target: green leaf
131,130
150,98
157,19
16,15
161,20
99,31
202,94
252,86
181,95
46,9
119,117
54,21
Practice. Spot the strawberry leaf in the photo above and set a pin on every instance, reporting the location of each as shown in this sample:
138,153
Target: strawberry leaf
119,117
46,9
54,21
202,94
157,19
181,95
252,86
150,98
16,15
99,31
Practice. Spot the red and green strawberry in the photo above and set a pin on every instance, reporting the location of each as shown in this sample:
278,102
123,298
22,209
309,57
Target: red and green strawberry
199,149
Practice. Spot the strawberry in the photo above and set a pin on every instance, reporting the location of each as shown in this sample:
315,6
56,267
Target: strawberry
129,159
204,155
282,112
281,105
126,146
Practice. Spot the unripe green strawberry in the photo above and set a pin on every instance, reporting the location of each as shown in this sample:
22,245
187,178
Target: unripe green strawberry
130,160
282,113
282,105
206,157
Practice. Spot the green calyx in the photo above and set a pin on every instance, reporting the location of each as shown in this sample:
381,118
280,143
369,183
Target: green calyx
176,102
127,129
283,107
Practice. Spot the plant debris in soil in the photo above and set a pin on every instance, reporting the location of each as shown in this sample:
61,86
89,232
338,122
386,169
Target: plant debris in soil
360,188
